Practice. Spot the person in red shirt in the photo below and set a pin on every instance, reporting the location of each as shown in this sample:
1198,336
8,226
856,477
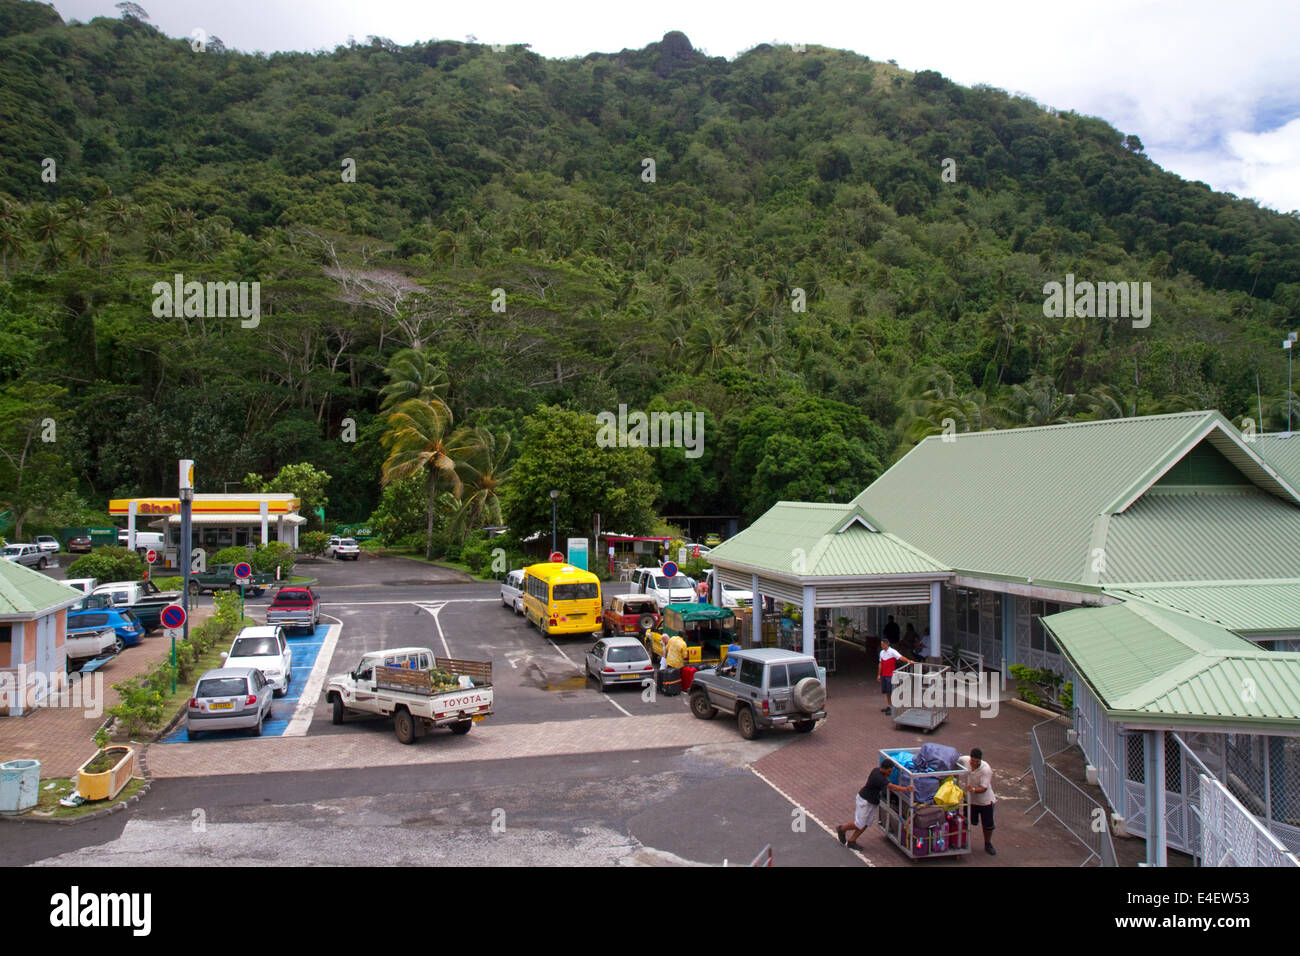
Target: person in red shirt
888,660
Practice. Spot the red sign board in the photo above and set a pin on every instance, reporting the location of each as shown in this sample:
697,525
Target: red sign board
151,555
243,570
557,557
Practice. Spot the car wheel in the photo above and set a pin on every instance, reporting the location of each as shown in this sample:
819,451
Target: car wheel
518,609
278,693
194,587
805,726
701,707
745,721
191,733
119,644
337,715
257,729
41,564
462,727
404,726
604,628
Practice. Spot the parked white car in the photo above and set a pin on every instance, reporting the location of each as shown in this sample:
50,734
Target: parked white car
264,648
512,591
343,549
47,543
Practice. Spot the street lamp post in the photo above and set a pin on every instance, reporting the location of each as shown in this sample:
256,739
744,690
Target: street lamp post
1290,351
554,494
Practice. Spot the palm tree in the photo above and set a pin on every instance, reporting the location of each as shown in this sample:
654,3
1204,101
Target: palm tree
710,346
419,439
412,376
1036,402
482,477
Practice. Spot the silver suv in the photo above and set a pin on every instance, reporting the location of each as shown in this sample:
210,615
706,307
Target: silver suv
768,687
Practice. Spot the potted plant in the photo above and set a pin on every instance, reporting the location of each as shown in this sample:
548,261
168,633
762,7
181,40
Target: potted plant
103,776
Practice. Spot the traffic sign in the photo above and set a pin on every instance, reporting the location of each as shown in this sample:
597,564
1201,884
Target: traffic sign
670,569
556,557
151,555
243,570
172,616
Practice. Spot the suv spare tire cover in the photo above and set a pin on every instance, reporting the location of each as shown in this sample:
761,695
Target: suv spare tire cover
809,695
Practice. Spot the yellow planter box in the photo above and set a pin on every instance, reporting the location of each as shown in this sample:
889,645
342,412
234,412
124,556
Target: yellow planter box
107,785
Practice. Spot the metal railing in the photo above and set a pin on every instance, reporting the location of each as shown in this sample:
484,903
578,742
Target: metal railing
1082,816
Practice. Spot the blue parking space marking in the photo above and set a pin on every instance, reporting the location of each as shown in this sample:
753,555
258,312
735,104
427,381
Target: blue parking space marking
305,650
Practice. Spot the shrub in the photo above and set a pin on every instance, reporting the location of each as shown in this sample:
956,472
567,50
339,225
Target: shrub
314,543
139,706
274,554
1067,696
229,556
169,584
108,564
476,554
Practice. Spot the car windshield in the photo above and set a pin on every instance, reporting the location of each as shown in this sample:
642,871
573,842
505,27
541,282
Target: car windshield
575,592
349,542
627,655
13,550
681,581
222,687
255,647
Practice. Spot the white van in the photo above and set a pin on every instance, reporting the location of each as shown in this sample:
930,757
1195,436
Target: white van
144,539
512,591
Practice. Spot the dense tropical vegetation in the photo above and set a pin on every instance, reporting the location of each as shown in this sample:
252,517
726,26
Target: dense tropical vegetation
465,254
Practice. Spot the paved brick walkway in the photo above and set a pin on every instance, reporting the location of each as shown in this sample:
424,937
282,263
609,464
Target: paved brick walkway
60,735
826,768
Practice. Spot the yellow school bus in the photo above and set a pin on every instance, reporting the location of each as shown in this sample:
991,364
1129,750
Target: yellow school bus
562,599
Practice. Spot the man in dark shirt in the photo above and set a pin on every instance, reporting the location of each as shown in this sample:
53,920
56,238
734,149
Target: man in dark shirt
891,631
867,803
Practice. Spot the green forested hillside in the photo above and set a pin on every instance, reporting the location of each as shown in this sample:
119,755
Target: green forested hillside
781,176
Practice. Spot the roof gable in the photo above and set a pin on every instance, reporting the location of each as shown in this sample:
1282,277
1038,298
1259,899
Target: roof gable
25,593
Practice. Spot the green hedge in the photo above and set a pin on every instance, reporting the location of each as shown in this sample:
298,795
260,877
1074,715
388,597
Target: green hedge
108,564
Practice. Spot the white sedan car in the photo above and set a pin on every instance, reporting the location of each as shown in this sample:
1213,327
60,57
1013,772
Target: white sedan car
264,648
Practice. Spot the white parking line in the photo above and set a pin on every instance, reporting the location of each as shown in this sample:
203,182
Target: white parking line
862,856
302,714
616,704
447,601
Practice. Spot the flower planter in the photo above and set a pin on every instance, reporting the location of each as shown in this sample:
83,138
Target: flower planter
107,784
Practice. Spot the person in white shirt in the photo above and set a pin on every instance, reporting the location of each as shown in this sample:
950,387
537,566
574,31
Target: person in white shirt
889,659
980,786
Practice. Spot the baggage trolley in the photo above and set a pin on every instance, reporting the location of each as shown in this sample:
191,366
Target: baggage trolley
925,831
918,699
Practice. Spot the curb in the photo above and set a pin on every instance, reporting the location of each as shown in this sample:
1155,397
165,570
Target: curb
106,811
1034,708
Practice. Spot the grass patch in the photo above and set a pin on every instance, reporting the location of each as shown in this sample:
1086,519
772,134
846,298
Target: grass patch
47,800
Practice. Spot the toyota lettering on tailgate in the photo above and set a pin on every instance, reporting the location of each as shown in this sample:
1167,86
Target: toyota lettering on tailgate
462,701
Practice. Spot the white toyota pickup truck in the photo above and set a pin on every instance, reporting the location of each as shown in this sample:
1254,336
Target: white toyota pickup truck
416,689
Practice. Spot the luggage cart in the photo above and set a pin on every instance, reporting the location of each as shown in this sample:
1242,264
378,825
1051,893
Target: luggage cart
925,831
920,689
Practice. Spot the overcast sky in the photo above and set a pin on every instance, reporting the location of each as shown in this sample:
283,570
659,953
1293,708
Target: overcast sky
1211,88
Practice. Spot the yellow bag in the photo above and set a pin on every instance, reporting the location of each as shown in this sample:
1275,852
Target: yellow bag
949,794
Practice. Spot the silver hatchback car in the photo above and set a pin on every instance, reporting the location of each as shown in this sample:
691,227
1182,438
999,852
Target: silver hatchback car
619,660
229,698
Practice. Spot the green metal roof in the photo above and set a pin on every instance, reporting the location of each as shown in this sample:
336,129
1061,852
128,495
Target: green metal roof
805,539
25,593
1038,502
1243,607
1155,666
1210,535
1283,453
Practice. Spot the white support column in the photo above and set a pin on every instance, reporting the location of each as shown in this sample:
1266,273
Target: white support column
130,523
262,508
716,596
1153,754
936,619
808,608
756,622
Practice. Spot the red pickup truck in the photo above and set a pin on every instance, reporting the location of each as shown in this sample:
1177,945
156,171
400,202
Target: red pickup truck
294,607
